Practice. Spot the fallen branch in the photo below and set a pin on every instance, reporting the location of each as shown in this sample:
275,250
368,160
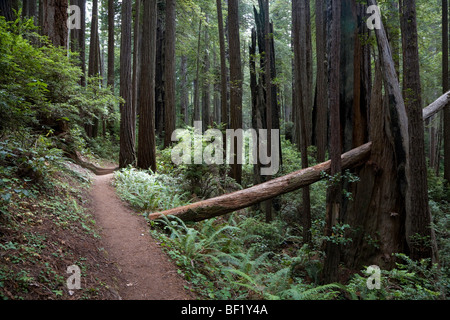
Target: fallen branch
231,202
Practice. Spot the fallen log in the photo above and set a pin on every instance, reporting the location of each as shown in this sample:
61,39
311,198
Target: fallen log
436,106
76,157
231,202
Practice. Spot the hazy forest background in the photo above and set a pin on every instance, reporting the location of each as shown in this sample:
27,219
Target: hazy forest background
365,108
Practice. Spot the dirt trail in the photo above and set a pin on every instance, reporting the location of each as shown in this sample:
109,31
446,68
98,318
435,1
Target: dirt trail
148,273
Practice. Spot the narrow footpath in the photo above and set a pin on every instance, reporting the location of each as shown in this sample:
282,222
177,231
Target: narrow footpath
148,272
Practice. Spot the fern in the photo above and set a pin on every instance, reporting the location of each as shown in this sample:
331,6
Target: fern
323,292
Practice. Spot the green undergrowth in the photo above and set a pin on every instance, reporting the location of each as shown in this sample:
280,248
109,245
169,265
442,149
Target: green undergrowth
240,256
45,224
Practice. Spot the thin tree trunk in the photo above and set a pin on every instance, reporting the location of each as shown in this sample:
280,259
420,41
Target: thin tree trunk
111,53
445,79
300,83
94,67
266,83
136,55
184,90
256,116
206,87
127,155
77,43
322,101
160,69
197,77
223,66
235,81
82,40
169,91
94,63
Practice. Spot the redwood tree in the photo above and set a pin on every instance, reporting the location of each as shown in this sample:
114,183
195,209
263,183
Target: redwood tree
147,142
332,250
418,217
301,84
127,154
6,9
235,79
322,101
445,79
78,39
55,21
169,91
111,14
223,66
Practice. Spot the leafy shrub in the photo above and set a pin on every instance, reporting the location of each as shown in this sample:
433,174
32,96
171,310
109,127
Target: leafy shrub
411,280
39,85
149,191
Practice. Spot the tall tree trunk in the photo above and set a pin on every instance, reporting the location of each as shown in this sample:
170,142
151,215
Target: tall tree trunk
300,84
127,154
94,54
94,67
78,36
55,21
197,116
445,80
275,92
184,97
267,65
111,69
6,10
235,80
160,69
332,250
147,141
256,101
206,87
418,217
111,52
223,66
393,33
136,49
322,101
216,88
169,91
29,9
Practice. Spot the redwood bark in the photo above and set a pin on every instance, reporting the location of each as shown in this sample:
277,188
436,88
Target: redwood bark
332,250
322,93
147,142
301,84
445,79
169,91
127,154
418,217
55,21
235,81
111,53
6,9
223,66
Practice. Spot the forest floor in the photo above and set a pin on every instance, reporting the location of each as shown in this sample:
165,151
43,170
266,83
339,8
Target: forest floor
147,272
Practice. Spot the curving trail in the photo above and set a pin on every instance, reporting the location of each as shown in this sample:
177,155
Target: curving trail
148,273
